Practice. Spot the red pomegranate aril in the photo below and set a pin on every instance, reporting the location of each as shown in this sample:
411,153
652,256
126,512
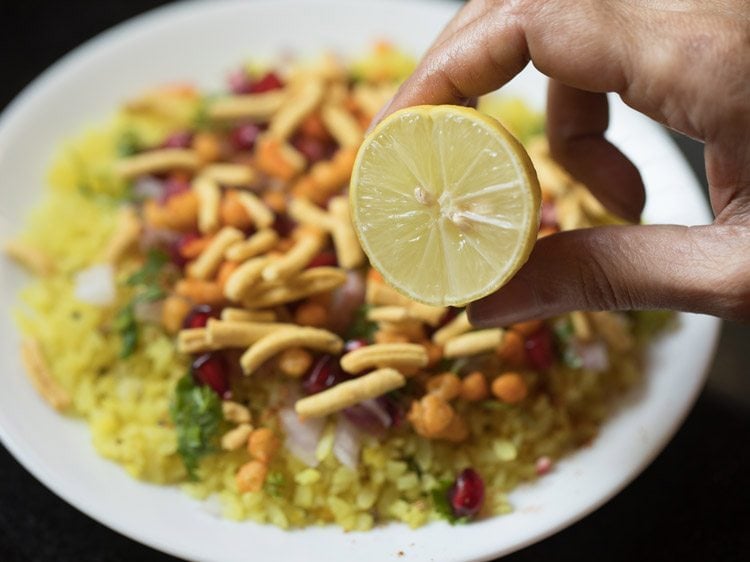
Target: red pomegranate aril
543,465
284,225
243,137
370,416
314,150
395,409
211,369
325,373
467,493
270,81
176,249
540,350
198,316
352,345
548,215
324,259
181,139
240,82
449,316
173,187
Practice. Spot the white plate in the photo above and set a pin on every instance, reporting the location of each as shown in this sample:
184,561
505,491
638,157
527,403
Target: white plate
202,41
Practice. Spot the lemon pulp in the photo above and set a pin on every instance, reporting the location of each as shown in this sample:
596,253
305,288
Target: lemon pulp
445,202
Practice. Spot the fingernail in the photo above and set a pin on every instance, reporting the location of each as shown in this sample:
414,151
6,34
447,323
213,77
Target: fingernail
513,303
379,116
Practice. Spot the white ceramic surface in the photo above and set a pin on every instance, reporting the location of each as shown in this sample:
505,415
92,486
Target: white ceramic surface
202,41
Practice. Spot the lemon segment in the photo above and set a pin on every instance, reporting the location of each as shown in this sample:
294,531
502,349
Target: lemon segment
445,202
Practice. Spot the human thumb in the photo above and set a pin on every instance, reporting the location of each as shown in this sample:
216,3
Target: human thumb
697,269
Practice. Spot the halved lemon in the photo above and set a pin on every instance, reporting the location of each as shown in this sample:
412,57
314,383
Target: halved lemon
445,202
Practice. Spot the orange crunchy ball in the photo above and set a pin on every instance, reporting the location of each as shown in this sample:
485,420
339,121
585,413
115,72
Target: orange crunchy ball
510,388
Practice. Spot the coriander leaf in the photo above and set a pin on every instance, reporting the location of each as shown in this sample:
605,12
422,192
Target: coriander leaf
442,504
274,485
563,329
494,405
571,358
196,413
200,120
147,279
149,273
151,294
565,337
361,327
453,365
128,144
127,327
413,465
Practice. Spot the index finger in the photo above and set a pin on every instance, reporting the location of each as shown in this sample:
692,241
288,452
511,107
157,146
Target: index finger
574,43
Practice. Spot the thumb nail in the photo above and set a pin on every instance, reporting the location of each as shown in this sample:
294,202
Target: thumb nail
513,303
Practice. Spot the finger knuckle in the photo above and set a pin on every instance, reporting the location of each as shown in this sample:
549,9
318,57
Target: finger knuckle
600,290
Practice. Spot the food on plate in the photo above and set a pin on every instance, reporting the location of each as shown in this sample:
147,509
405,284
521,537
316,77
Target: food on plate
200,298
446,203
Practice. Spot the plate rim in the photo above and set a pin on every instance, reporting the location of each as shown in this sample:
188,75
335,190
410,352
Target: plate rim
46,476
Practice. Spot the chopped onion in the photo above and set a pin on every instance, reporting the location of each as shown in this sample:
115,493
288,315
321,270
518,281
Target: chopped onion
346,299
148,311
594,355
148,187
301,437
369,415
96,285
157,238
347,442
212,505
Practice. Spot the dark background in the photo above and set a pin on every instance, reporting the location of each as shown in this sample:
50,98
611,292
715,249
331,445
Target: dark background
692,503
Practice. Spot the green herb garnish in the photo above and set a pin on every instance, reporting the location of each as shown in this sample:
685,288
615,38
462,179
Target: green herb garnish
274,485
128,144
196,413
565,335
495,405
452,365
361,328
127,327
442,504
200,120
151,270
413,465
148,283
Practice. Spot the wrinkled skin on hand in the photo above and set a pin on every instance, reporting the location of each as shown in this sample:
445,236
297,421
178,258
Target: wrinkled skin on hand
686,64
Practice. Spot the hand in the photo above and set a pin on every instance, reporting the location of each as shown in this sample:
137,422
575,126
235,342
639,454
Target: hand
685,63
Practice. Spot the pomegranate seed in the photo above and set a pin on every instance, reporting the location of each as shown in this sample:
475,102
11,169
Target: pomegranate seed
198,317
449,316
210,369
173,187
323,259
284,225
370,416
540,351
395,409
467,493
270,81
351,345
325,373
181,139
314,150
239,82
176,248
543,465
548,215
243,137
